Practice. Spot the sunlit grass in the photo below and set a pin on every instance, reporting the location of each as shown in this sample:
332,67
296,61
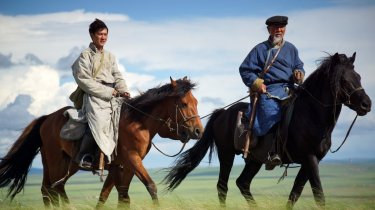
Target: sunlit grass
346,186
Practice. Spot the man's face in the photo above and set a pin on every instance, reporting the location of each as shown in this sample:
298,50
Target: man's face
277,31
100,38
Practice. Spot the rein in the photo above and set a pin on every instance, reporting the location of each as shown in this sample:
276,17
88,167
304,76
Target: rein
227,106
346,136
330,105
168,123
182,148
334,104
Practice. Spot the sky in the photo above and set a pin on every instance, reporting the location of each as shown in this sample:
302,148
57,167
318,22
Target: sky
205,40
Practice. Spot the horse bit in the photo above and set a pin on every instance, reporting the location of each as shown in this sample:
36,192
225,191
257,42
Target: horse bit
168,122
350,94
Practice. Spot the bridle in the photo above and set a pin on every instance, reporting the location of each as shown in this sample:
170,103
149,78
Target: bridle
349,95
184,119
169,123
346,102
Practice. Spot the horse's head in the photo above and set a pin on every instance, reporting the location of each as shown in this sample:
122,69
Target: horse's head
347,85
180,110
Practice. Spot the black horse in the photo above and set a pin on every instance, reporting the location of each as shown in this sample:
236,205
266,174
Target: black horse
316,110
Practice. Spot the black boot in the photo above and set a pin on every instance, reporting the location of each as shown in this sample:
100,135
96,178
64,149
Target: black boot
273,158
273,161
85,157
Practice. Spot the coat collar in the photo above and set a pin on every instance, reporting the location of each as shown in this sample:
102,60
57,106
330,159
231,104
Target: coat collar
93,48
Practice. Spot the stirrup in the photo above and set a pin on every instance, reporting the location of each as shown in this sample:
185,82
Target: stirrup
273,161
86,164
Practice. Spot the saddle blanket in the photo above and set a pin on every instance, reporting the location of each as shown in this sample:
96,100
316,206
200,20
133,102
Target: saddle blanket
75,127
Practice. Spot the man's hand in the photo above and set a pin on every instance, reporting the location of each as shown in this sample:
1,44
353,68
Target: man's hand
298,76
259,86
262,89
116,93
125,95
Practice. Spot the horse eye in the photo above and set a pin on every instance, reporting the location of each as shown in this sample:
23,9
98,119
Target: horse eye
184,105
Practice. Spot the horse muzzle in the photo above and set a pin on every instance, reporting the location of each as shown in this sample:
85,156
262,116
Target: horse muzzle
363,106
190,132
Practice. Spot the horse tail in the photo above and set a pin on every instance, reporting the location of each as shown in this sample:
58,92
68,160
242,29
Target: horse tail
15,166
191,158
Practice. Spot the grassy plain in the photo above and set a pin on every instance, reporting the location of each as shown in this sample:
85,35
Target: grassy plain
346,186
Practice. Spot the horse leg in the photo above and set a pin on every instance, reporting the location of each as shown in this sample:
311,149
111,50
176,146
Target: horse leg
49,195
44,189
46,197
309,171
226,163
298,186
109,183
60,189
144,177
314,179
244,180
122,183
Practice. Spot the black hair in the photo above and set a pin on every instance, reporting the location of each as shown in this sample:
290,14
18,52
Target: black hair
97,25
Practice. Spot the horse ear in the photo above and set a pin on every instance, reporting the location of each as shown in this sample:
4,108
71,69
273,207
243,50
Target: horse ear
185,78
173,82
352,59
336,58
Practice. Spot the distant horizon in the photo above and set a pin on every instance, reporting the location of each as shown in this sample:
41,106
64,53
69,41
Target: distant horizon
155,40
324,161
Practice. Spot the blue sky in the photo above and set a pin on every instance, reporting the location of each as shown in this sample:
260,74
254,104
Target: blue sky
205,40
166,9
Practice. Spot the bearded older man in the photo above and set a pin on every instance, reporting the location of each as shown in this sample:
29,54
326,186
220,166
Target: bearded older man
271,69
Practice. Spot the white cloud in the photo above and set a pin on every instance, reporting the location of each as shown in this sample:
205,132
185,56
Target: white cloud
210,49
7,137
40,82
49,36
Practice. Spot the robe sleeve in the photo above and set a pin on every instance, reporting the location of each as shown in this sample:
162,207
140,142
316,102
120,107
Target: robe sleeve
120,84
250,68
298,64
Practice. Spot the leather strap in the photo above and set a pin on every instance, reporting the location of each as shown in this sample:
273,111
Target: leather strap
265,70
97,70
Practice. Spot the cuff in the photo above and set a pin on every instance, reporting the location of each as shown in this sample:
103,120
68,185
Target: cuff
257,84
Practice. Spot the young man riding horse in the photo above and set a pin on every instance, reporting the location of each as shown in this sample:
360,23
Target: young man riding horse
97,74
270,71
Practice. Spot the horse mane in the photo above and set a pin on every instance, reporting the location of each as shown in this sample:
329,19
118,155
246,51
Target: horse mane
147,100
327,72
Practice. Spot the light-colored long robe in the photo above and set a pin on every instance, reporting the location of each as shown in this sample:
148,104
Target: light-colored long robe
101,109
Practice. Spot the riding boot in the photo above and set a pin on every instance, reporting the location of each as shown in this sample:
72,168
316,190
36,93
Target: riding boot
273,159
85,156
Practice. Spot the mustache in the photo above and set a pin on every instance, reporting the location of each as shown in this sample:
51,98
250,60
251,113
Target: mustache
276,39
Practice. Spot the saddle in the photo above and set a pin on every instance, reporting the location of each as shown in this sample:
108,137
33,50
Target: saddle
240,132
275,140
75,127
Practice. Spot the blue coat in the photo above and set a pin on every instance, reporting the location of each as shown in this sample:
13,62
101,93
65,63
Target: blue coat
278,79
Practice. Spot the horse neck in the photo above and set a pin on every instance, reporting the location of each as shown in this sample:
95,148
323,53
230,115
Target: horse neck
321,103
157,122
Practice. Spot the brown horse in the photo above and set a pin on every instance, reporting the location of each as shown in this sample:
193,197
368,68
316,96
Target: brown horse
169,110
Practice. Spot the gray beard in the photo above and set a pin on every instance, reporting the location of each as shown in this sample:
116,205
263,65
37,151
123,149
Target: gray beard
276,40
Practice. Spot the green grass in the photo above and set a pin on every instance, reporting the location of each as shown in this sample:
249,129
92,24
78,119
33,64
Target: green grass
346,186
